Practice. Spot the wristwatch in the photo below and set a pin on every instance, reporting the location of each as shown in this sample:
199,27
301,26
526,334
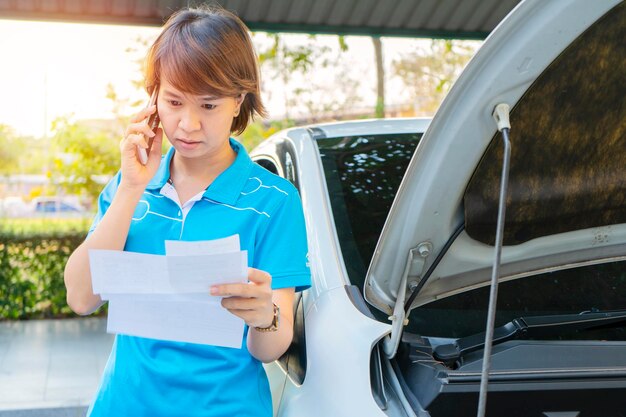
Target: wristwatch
275,321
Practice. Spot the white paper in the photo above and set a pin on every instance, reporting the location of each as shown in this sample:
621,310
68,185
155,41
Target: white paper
119,272
196,273
179,321
127,272
202,247
167,296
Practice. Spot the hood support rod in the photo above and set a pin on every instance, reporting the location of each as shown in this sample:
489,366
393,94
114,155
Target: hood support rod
400,311
501,116
415,291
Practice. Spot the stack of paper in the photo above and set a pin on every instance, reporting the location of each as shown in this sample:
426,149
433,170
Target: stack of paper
167,296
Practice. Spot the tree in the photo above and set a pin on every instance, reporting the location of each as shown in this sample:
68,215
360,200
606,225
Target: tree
282,61
20,154
259,130
428,74
10,150
380,77
328,91
83,157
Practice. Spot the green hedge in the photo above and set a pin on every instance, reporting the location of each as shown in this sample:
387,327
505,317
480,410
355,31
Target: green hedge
32,259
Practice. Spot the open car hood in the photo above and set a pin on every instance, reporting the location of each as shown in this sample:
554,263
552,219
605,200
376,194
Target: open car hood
559,66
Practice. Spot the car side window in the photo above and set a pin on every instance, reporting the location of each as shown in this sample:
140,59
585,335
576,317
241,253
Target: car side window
267,164
363,174
65,207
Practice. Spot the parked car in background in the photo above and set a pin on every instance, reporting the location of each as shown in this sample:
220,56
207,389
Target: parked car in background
57,206
49,206
13,206
401,220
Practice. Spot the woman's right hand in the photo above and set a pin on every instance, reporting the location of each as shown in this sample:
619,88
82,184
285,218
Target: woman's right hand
134,174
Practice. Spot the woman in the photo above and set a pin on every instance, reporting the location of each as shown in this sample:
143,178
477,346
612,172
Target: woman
206,187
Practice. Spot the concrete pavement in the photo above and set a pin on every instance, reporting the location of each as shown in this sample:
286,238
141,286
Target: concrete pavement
51,367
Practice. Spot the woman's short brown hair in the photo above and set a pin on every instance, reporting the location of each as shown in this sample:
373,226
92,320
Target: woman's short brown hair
208,50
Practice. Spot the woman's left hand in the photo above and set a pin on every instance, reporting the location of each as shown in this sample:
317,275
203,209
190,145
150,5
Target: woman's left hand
252,301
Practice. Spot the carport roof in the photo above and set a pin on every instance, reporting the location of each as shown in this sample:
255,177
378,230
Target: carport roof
461,19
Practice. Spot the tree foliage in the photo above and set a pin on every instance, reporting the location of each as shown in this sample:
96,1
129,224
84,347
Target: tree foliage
316,80
12,150
429,73
259,130
20,154
81,155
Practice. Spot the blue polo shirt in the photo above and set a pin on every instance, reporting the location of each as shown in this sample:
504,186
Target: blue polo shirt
148,377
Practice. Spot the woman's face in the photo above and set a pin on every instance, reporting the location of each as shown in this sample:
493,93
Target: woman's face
196,126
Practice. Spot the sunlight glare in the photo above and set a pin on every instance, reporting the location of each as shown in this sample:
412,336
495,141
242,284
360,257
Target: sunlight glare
52,69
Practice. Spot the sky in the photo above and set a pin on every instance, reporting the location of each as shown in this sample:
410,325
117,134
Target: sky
52,69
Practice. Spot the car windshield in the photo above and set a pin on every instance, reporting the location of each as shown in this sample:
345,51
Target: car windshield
363,174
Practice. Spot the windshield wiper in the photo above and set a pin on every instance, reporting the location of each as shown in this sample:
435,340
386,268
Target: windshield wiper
527,326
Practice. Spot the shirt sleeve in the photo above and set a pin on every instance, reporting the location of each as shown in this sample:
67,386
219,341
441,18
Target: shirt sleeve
281,249
104,201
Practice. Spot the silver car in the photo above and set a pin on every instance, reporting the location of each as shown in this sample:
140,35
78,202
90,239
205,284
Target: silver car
402,220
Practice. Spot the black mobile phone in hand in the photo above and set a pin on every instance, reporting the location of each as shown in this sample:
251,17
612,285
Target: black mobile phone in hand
153,122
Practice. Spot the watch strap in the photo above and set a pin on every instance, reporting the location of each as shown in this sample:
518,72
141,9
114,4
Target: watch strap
275,322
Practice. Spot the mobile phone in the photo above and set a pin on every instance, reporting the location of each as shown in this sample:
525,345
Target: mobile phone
153,122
